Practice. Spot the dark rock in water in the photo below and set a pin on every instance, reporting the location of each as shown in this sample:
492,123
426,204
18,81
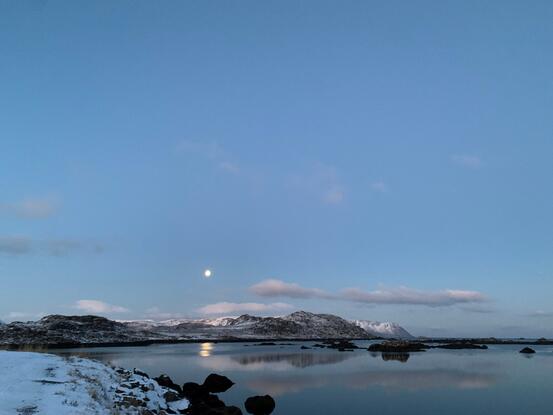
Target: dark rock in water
305,348
213,401
193,392
341,344
216,383
232,410
527,350
260,405
399,357
461,345
164,380
398,346
265,344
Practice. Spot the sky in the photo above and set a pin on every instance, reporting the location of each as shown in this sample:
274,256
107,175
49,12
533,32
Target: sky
386,161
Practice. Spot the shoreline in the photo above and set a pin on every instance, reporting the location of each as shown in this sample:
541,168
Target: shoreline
152,342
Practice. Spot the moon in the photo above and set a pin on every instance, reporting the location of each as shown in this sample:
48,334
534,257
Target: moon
207,273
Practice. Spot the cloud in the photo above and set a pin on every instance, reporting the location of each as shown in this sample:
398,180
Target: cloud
541,313
379,186
21,315
32,208
22,245
466,160
232,308
320,181
401,295
15,245
155,313
211,151
96,306
333,196
229,167
278,288
404,295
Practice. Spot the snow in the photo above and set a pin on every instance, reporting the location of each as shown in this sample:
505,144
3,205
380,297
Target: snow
37,383
41,383
383,329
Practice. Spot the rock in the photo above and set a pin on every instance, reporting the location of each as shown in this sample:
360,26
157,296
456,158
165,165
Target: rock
398,347
193,392
232,410
461,345
164,380
527,350
171,396
260,405
140,373
213,401
305,348
215,383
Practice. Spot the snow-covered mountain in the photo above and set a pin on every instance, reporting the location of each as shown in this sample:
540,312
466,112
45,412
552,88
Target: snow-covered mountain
383,329
74,330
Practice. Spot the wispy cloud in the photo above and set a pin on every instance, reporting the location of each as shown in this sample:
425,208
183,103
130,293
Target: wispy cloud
99,307
278,288
15,245
404,295
233,308
379,186
23,316
22,245
541,313
212,151
31,208
467,160
321,181
155,313
400,295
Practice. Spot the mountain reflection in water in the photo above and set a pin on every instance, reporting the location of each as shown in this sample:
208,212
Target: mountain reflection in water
409,380
300,360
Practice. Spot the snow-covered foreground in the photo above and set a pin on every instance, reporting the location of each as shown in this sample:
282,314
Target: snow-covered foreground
36,383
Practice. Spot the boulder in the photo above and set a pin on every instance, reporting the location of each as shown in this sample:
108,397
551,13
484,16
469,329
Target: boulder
215,383
193,392
164,380
527,350
260,405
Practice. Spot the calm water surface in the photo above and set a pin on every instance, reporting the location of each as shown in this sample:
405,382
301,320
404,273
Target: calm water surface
494,381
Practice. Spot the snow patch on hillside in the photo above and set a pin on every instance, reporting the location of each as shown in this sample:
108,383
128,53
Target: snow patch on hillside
383,329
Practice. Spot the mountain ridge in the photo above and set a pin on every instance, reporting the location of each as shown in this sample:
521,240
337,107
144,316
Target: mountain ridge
85,330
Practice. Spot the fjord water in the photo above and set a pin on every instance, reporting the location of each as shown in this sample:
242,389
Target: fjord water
322,381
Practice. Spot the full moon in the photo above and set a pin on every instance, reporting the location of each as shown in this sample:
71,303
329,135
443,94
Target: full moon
207,273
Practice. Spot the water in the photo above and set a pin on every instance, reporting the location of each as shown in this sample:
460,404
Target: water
322,381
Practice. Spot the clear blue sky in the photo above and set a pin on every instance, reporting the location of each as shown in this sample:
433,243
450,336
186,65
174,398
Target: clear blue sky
332,145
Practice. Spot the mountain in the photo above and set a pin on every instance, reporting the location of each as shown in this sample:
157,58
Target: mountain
61,330
385,329
82,330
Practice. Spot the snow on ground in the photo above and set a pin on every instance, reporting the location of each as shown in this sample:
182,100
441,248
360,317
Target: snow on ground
36,383
46,384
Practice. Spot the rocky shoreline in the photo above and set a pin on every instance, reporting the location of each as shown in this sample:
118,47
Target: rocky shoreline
34,383
189,399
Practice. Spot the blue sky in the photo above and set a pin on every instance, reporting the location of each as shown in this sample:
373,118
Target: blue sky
377,160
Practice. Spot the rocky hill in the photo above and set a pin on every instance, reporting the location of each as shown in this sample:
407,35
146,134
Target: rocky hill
383,329
87,330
